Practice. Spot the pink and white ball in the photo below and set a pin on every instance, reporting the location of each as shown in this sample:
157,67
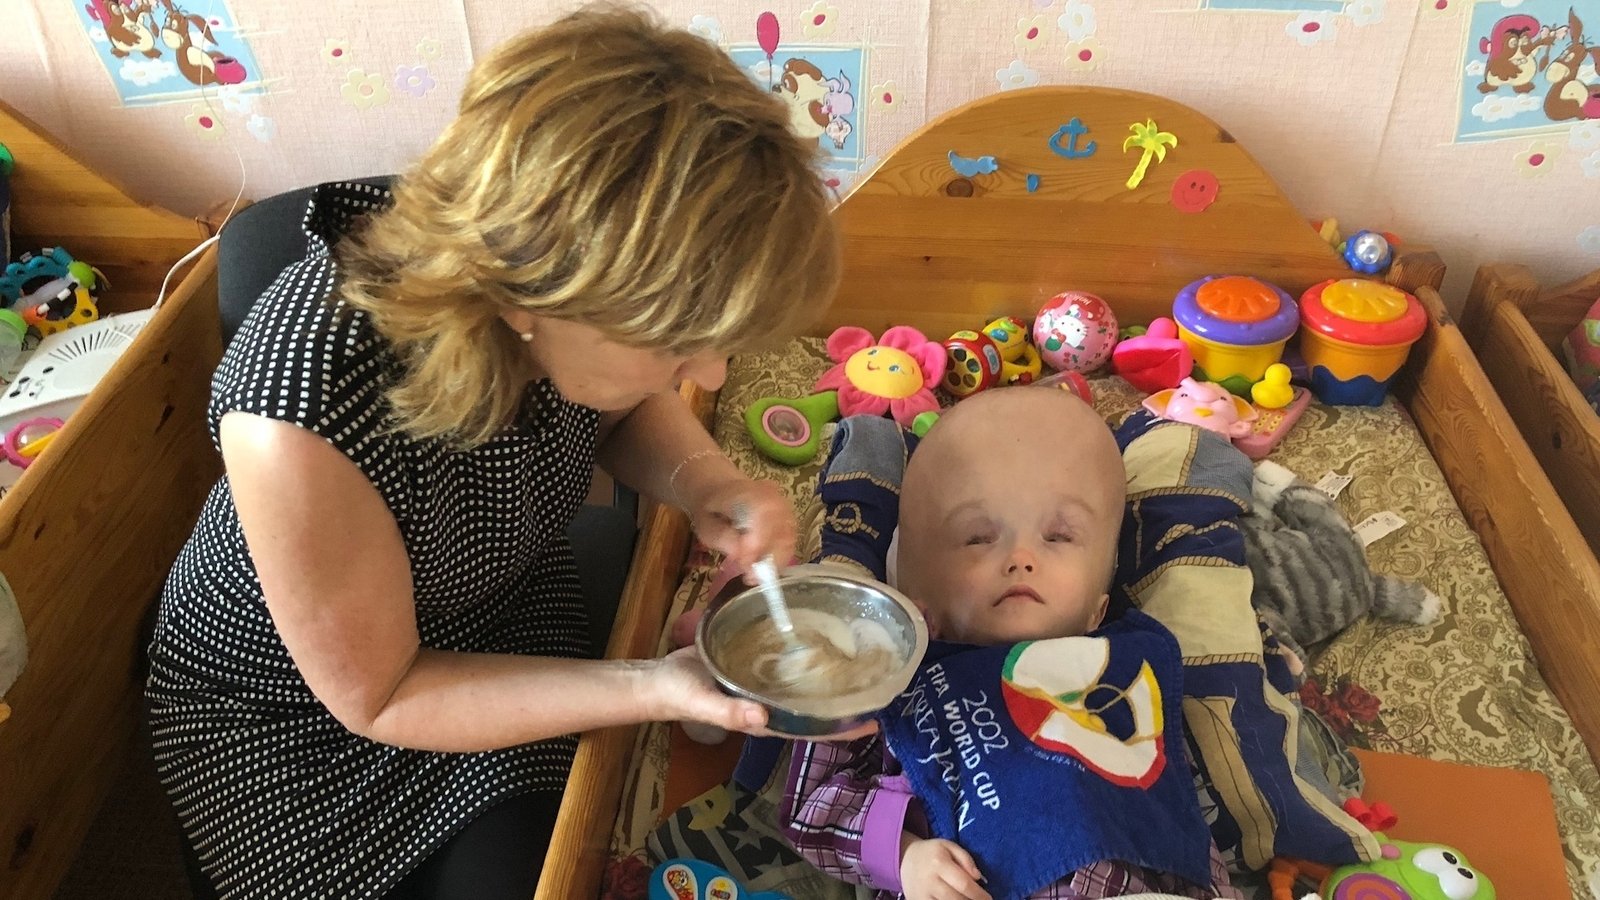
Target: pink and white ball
1075,332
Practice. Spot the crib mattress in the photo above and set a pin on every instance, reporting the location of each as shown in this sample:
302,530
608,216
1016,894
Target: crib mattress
1465,689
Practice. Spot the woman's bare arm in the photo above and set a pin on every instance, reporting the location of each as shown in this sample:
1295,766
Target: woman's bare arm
337,582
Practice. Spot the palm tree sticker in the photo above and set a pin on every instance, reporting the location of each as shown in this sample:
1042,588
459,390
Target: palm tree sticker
1153,142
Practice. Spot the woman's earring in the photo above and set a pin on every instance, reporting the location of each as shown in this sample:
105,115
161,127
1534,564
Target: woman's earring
527,337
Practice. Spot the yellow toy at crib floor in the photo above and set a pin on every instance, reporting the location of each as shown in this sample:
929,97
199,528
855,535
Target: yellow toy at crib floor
1236,326
70,304
1357,334
1000,354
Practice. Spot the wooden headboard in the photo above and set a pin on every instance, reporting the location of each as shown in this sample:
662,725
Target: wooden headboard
929,247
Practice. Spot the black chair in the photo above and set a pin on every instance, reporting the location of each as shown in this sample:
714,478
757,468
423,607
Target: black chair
264,238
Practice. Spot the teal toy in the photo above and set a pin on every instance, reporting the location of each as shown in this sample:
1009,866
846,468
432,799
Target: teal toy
31,270
691,879
789,430
1404,871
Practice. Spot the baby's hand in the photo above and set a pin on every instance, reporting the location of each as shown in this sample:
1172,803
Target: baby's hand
939,870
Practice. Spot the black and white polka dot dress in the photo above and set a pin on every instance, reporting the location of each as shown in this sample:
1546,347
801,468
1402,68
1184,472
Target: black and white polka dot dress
277,797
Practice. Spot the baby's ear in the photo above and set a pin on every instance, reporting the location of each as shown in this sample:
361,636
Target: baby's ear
1099,612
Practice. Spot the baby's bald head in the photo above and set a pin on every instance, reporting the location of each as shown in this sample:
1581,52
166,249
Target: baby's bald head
1014,490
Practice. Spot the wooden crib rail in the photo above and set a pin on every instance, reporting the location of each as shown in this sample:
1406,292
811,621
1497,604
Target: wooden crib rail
581,840
1554,312
1524,363
1544,565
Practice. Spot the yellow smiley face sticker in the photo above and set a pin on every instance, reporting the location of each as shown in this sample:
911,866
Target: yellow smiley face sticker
884,372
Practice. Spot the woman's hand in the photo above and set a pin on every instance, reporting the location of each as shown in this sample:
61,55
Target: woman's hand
938,870
746,520
682,635
680,689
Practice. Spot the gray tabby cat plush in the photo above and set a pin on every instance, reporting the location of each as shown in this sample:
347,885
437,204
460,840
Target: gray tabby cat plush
1311,573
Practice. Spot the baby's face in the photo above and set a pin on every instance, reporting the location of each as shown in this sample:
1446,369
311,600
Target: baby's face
1009,527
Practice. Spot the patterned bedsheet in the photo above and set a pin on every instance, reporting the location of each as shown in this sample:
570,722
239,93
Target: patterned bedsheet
1465,689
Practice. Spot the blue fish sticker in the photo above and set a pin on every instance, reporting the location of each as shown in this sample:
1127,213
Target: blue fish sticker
968,166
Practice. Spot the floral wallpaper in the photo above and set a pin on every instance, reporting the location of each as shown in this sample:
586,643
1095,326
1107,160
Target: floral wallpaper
1473,126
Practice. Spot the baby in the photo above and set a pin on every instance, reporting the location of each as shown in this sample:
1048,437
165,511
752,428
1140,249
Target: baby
1024,758
1009,516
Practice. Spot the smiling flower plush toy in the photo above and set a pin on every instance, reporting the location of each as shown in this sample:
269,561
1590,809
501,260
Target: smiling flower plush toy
894,374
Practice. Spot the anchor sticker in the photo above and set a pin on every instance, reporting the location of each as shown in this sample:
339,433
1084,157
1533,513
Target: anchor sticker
1072,131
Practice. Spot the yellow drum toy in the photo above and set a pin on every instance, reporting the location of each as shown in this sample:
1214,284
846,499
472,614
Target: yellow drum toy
1235,326
1357,335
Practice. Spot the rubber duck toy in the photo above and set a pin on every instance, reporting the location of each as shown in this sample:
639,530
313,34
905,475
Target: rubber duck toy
1273,390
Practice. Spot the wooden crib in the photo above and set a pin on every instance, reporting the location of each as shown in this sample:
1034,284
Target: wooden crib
89,532
1516,327
928,247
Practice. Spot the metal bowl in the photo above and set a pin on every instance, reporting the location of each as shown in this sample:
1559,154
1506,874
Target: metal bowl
842,593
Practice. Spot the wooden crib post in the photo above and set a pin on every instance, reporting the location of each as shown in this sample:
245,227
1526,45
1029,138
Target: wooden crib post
1416,266
1512,282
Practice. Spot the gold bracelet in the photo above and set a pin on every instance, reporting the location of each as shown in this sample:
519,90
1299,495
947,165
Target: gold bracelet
672,480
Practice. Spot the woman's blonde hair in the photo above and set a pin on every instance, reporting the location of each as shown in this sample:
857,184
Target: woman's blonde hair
602,170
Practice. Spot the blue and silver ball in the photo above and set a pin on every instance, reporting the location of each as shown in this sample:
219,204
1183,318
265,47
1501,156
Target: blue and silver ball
1367,252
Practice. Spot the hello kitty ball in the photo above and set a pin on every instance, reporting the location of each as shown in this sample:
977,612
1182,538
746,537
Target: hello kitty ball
1075,332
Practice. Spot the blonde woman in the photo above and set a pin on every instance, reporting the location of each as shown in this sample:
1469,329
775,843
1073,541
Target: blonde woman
365,675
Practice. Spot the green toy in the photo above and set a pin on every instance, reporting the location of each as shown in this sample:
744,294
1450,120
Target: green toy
6,165
789,430
1405,871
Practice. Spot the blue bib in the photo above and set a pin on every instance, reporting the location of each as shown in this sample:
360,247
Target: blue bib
1048,756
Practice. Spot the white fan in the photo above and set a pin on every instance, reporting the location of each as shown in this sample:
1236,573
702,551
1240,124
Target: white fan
65,367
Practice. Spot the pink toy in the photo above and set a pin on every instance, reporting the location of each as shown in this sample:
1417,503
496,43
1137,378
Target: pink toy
1154,361
895,374
1273,425
27,439
1075,332
1207,405
1581,347
1072,382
